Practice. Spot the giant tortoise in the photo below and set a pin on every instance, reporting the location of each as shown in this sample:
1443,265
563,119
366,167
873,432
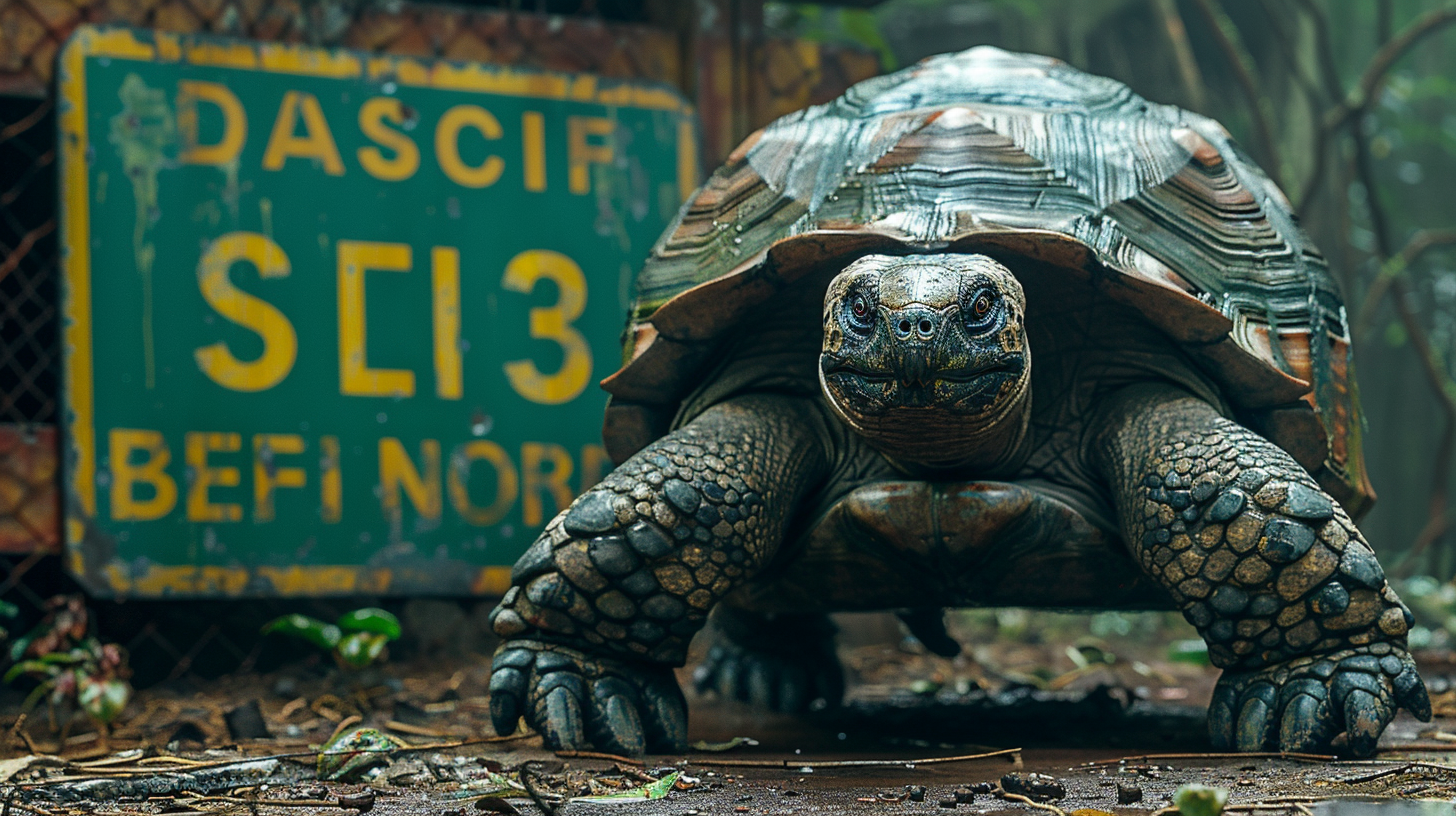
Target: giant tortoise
986,331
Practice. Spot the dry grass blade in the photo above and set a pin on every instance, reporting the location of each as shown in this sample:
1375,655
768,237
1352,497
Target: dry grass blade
1014,754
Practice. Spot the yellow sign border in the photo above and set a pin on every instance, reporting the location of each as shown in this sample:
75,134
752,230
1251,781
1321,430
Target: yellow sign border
277,58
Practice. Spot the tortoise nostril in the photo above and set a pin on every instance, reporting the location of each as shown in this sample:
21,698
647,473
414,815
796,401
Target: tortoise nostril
904,327
925,327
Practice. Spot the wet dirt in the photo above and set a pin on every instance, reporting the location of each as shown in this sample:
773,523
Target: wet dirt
1087,726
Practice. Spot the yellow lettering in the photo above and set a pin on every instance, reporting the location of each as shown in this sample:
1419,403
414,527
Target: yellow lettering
406,161
204,477
445,283
594,465
356,378
553,482
396,471
125,475
507,483
268,475
582,153
551,323
316,143
533,150
280,341
447,145
331,481
234,123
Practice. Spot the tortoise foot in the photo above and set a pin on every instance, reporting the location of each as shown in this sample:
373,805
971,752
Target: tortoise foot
785,663
1302,704
575,700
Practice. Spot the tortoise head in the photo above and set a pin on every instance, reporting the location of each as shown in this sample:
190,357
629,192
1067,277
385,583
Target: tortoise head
926,357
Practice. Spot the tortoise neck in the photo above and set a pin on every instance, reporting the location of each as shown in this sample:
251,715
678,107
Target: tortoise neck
918,440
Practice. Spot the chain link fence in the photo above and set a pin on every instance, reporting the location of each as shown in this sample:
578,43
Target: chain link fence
737,85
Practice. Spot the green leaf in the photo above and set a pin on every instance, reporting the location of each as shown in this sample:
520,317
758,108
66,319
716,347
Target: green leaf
323,635
35,667
1200,800
359,649
103,700
372,620
650,792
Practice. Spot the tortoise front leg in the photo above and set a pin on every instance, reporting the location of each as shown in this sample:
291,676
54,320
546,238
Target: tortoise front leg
1274,574
603,605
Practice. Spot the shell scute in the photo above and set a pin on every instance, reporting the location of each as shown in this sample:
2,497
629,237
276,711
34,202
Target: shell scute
1023,155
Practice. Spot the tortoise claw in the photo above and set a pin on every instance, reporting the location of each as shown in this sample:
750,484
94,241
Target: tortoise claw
1313,699
577,701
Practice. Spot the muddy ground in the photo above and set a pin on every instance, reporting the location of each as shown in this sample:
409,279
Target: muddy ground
1089,721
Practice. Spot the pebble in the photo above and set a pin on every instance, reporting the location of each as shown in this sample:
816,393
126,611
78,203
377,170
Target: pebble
948,803
1033,785
1128,794
916,792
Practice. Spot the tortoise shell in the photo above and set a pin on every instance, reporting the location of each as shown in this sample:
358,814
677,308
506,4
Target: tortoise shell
1015,156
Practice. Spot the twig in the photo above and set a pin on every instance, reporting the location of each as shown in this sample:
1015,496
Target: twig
529,770
1227,35
1013,753
1250,755
1418,245
1027,800
1183,51
599,755
1363,94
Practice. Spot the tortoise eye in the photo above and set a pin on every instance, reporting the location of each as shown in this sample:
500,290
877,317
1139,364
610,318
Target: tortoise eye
981,306
981,310
861,315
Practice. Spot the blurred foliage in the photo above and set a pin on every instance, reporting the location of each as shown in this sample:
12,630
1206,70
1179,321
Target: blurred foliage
358,639
72,669
1351,106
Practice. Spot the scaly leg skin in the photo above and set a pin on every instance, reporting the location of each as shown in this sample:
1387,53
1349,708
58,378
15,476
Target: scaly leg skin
779,662
1273,573
603,605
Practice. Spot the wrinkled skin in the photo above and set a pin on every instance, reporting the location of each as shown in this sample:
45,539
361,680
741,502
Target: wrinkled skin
1223,524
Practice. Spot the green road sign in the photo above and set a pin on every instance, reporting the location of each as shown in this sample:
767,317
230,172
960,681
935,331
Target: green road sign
334,322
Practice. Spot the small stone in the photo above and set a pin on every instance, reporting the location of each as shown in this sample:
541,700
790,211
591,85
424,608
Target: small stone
948,803
1128,794
1284,540
1304,502
592,513
964,796
916,793
682,496
1034,786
